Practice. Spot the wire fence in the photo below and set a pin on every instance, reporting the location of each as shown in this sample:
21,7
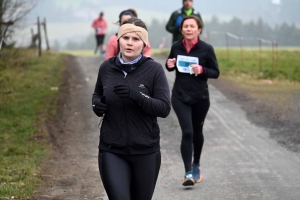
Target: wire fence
34,40
234,41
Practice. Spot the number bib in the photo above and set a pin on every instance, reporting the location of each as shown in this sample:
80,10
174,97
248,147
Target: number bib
183,63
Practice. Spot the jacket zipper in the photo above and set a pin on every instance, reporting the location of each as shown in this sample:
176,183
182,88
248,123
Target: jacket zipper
126,122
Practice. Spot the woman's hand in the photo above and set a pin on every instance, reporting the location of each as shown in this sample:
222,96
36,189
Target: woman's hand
198,69
171,62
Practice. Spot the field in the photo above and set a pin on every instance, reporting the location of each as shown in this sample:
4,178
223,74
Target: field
29,89
280,64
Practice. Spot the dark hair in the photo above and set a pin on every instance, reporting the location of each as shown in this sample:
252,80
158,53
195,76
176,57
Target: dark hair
135,21
101,14
133,12
198,21
125,12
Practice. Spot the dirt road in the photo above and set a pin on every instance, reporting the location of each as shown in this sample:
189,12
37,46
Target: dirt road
239,159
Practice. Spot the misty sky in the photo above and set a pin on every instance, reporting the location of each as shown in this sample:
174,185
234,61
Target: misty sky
72,18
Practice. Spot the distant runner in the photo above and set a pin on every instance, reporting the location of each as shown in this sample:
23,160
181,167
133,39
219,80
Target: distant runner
100,25
177,16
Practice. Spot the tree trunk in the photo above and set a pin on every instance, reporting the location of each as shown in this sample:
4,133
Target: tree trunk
1,16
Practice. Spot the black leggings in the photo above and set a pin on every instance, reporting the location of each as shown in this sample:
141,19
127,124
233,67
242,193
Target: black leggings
191,119
99,39
129,177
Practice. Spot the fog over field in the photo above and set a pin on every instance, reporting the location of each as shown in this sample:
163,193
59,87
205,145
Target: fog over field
71,19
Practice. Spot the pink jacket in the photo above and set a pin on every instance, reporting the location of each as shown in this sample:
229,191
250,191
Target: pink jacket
100,25
112,48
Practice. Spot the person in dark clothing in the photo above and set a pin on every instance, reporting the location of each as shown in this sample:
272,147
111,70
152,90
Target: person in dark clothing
177,16
130,93
194,62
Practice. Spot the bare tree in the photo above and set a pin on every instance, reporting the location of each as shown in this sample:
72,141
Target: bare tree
12,13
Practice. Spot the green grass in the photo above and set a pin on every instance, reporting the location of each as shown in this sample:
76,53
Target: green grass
282,65
80,52
26,103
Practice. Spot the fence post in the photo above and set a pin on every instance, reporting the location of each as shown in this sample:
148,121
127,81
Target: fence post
46,35
2,37
273,56
241,49
39,37
277,55
227,49
259,41
208,37
1,40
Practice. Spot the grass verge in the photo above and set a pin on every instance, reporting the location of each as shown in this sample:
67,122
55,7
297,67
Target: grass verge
28,87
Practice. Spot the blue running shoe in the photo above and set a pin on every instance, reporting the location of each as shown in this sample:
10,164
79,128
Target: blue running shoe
188,179
197,175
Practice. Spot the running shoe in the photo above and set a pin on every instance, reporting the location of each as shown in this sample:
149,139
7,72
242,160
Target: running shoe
197,175
188,179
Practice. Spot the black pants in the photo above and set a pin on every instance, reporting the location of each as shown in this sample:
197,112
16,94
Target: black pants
129,177
191,119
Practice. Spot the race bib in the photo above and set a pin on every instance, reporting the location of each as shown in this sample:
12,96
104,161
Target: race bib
183,63
98,30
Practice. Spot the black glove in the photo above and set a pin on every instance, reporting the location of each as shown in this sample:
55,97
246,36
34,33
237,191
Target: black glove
125,91
99,108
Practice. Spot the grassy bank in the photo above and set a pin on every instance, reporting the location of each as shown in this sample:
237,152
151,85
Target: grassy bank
28,87
281,65
273,77
277,65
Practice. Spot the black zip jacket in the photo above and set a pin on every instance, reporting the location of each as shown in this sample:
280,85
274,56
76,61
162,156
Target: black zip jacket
188,87
130,127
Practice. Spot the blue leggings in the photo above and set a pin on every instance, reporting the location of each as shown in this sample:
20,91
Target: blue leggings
129,177
191,119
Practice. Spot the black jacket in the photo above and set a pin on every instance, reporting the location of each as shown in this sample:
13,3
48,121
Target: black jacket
131,127
188,87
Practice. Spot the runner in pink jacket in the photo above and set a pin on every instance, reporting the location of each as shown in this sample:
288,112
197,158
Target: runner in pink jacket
112,44
100,25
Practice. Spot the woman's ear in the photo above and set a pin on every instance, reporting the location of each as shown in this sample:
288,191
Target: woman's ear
199,31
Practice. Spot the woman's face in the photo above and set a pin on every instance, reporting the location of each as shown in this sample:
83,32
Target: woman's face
190,30
131,46
124,18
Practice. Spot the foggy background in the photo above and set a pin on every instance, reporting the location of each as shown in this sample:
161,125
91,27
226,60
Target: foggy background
69,21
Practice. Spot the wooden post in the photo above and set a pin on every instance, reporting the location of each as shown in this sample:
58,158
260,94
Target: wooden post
1,40
241,49
227,48
259,41
273,56
208,37
46,35
2,37
39,37
277,55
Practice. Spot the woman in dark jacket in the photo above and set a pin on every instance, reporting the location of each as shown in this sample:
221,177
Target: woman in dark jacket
194,62
130,93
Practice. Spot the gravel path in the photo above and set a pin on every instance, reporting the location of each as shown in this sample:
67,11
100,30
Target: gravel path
239,160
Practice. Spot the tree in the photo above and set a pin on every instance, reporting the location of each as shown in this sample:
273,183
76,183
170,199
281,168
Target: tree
12,13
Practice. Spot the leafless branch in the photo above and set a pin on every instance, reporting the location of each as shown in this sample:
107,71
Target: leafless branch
12,13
